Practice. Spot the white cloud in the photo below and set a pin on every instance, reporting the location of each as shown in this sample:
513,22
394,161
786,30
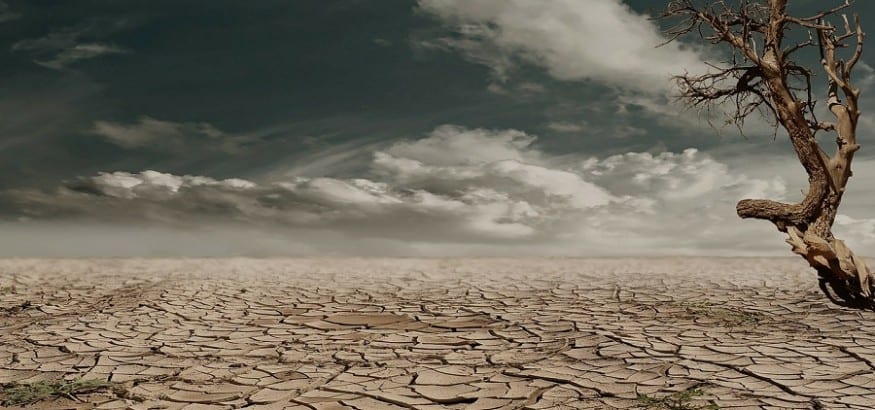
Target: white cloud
858,233
382,42
156,134
865,226
80,52
677,177
453,145
54,40
599,40
582,127
867,76
523,89
569,127
63,47
456,191
147,183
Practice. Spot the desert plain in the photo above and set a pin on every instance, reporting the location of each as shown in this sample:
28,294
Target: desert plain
479,333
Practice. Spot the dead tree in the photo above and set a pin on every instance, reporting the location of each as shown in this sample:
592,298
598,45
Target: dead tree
764,74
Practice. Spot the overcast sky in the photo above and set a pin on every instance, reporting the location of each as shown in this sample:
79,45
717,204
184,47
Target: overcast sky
378,128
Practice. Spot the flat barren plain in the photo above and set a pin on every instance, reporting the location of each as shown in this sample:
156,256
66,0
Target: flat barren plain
647,333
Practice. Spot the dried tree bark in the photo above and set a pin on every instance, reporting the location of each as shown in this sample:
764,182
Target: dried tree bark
763,75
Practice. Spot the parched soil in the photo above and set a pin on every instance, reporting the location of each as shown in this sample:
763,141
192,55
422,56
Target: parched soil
672,333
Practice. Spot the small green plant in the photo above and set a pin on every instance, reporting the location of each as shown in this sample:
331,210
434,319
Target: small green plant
20,394
6,289
683,400
731,317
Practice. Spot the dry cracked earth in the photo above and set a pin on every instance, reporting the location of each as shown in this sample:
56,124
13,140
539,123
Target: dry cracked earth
670,333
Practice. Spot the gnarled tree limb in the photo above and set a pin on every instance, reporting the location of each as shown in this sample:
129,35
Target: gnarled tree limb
761,73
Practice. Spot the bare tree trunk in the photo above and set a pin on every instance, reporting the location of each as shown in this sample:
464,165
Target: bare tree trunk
761,74
844,276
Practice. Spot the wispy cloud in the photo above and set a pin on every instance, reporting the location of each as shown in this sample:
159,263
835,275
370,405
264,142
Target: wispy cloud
161,135
569,127
618,131
63,47
79,52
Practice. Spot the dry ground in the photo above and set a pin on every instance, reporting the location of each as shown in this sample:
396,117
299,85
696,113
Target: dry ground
673,333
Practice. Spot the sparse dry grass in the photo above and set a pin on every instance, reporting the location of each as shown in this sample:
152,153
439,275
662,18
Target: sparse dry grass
729,316
684,400
28,393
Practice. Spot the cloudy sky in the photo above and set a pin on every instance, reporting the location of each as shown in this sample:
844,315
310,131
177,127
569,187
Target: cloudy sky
390,128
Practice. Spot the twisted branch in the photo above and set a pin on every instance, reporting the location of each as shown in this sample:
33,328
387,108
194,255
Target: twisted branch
761,76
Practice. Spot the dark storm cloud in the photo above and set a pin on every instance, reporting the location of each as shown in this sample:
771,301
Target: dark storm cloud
320,126
268,68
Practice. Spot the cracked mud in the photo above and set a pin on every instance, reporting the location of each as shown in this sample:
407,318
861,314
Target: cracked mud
433,334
